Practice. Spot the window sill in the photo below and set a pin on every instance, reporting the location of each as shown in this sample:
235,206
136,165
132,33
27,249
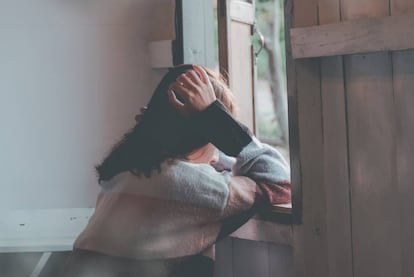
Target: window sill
270,226
281,213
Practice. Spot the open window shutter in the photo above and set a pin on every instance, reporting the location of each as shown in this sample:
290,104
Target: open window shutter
236,54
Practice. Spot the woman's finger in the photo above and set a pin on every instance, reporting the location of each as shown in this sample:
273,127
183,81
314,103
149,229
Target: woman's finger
201,73
187,81
181,90
175,102
193,76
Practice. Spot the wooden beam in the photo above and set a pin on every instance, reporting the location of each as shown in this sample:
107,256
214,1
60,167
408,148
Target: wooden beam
389,33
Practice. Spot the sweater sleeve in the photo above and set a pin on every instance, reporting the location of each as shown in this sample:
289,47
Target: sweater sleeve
259,179
259,162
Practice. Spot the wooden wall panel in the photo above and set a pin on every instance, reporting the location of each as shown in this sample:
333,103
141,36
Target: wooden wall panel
371,118
355,9
311,149
250,258
366,104
223,266
310,245
375,203
401,7
280,260
336,177
404,101
335,154
403,69
246,258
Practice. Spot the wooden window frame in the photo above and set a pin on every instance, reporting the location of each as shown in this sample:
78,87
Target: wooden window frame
295,215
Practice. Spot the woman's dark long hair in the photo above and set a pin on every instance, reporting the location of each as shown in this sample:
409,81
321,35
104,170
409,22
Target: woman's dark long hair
162,133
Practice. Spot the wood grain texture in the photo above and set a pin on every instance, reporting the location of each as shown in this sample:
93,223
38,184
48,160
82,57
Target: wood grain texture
293,119
329,11
375,203
402,7
404,101
403,69
241,78
223,22
295,160
371,122
336,177
265,231
305,13
280,260
388,33
355,9
223,266
310,238
335,154
311,147
250,258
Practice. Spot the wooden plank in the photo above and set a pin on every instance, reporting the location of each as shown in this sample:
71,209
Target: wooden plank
305,13
241,77
402,7
355,9
250,258
389,33
237,62
223,9
404,99
242,12
293,120
329,11
375,204
312,164
266,231
280,260
336,178
335,151
223,266
309,238
295,161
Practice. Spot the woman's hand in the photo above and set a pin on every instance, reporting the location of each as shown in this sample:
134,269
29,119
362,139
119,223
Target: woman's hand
195,88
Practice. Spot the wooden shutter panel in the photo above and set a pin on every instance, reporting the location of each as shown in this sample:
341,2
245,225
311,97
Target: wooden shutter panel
236,54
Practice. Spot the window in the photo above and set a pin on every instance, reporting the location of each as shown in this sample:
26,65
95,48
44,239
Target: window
245,40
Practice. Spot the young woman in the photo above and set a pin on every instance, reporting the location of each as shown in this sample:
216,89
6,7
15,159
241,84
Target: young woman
185,176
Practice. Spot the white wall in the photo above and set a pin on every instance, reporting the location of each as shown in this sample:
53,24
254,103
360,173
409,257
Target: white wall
72,76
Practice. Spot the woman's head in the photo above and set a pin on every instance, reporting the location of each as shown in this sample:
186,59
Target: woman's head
162,132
